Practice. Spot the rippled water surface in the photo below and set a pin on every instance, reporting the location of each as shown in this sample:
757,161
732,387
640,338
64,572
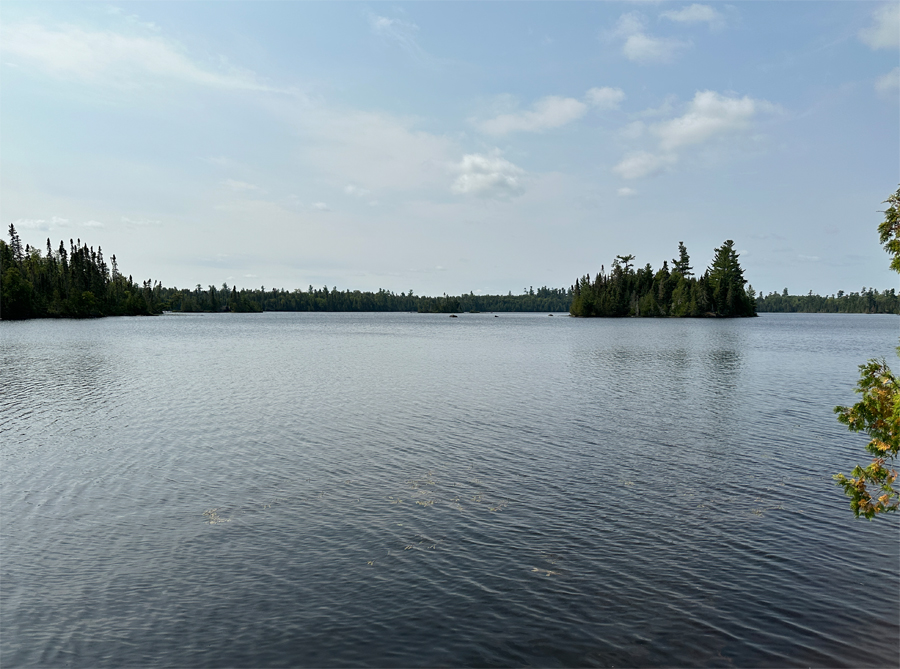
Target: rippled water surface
414,490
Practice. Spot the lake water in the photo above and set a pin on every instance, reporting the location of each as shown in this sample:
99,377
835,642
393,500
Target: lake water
417,490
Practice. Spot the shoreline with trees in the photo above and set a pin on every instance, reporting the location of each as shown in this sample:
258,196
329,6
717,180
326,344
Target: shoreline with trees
867,301
77,282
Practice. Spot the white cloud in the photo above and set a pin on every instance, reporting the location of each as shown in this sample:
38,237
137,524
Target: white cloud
626,192
697,14
487,176
320,206
241,186
400,32
355,191
633,130
140,222
548,112
378,150
884,33
630,24
41,223
889,84
109,58
31,224
134,19
93,224
643,164
643,48
605,98
709,114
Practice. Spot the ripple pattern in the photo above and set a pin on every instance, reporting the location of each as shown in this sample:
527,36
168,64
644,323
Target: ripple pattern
411,490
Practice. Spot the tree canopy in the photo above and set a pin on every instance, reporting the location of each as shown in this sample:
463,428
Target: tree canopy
73,283
878,412
625,291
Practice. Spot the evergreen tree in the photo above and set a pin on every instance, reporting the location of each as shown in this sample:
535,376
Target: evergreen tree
726,281
683,265
628,292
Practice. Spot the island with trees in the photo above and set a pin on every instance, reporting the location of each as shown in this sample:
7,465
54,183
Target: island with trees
626,291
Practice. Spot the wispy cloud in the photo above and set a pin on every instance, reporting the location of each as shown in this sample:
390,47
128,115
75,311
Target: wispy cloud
140,222
103,57
889,84
884,33
355,191
605,98
549,112
552,112
709,116
377,151
241,186
697,14
133,19
643,48
487,176
53,223
643,164
402,33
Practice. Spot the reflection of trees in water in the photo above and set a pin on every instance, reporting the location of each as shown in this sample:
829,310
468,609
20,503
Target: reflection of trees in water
724,355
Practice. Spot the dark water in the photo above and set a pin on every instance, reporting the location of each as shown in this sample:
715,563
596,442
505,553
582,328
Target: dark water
414,490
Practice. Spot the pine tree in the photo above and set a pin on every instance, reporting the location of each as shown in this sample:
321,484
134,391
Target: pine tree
726,281
683,265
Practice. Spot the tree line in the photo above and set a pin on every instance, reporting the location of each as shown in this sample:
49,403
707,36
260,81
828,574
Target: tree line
77,282
867,301
230,299
68,283
626,291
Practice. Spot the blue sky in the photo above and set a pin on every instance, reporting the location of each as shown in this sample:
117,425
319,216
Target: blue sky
453,147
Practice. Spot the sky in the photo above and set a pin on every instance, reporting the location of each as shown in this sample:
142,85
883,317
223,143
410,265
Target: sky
449,147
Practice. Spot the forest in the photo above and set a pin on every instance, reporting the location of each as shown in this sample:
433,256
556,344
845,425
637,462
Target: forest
626,291
77,282
73,283
867,301
324,299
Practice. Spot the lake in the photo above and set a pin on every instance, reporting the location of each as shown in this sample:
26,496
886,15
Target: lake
289,489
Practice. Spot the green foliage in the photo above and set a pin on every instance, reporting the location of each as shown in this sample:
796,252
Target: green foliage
67,284
683,264
878,415
332,299
867,301
889,229
878,412
78,284
643,292
726,280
